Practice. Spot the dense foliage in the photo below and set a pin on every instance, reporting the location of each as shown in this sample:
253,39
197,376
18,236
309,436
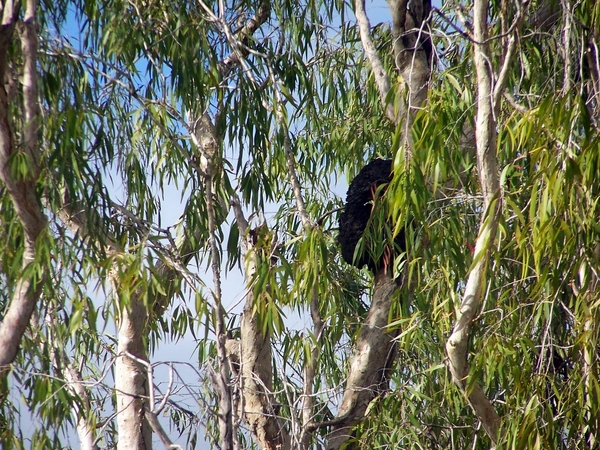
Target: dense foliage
129,91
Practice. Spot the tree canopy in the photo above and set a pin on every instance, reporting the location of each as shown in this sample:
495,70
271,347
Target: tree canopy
255,116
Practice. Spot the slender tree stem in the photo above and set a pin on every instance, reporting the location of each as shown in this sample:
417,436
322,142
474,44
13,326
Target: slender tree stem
457,344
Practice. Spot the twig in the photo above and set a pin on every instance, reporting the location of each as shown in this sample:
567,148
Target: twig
165,398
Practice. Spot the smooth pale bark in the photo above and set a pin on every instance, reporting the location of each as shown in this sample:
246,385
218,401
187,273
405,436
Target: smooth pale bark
457,344
367,369
85,432
134,410
382,78
374,347
131,379
21,188
254,353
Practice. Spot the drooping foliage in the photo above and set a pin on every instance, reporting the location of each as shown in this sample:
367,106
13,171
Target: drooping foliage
122,86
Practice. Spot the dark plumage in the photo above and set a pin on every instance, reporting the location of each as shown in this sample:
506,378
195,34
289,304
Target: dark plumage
355,217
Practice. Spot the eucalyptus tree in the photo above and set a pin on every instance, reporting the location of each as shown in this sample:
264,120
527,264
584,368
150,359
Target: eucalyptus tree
482,333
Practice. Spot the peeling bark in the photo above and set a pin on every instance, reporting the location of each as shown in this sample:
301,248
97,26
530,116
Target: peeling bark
412,55
412,47
256,379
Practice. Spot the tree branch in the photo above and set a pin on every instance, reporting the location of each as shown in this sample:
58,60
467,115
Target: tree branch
243,37
367,368
374,347
158,429
209,148
382,78
511,49
310,372
457,344
255,369
255,358
412,55
84,430
21,186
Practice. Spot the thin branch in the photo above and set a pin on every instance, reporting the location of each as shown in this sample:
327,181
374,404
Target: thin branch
165,398
255,374
382,78
239,41
209,147
466,34
158,429
511,49
513,102
310,371
566,38
289,152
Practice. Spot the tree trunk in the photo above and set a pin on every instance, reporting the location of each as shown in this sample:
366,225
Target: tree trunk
22,189
256,379
255,361
457,344
413,58
131,380
367,370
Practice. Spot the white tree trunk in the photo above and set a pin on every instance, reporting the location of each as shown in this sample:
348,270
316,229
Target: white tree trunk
367,369
457,344
85,432
131,380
